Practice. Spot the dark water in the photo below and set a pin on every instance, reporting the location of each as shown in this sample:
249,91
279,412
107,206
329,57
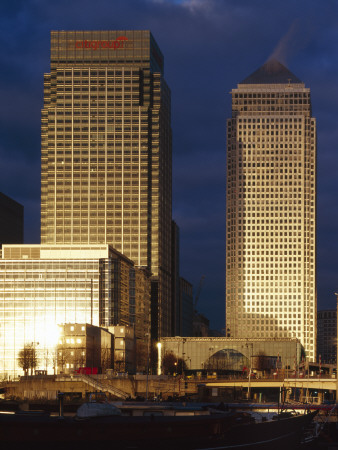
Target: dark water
321,445
327,440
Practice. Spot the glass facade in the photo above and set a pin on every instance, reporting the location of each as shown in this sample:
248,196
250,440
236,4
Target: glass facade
106,150
271,209
45,287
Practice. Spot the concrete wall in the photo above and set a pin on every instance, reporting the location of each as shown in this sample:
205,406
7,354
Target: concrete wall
47,388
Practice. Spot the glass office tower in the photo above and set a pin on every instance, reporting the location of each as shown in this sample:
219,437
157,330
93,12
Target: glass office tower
106,152
271,209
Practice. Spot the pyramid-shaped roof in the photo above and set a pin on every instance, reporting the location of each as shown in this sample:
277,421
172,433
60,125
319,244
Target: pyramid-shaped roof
272,72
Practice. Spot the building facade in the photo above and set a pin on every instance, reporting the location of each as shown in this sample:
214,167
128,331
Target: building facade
327,336
175,280
186,308
43,287
106,152
130,353
271,209
227,354
84,348
201,325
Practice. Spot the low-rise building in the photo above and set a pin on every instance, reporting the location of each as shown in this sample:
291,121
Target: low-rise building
221,354
84,348
125,349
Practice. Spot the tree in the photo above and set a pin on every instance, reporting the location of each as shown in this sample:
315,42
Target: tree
63,356
27,358
106,358
171,364
262,362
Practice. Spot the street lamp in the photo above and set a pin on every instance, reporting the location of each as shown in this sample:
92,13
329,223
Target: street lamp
336,294
147,383
159,357
248,345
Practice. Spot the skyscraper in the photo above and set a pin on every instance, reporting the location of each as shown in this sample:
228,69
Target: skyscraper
106,152
271,209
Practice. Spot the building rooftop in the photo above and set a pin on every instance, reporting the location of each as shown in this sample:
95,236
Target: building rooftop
272,72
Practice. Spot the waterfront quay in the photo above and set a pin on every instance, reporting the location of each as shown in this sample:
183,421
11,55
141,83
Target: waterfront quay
259,397
164,387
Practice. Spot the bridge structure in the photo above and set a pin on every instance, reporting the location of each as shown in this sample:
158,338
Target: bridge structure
308,388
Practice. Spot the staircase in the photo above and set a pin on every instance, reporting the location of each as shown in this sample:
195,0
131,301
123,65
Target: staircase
103,387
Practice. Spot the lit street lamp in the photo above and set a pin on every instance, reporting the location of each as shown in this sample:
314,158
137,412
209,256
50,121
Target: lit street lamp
336,294
147,384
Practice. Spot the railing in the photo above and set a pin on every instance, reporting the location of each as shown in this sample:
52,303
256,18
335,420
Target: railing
104,387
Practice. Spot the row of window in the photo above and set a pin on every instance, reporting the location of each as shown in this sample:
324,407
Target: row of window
286,95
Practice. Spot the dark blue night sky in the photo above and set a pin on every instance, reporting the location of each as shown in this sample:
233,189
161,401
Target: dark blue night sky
209,46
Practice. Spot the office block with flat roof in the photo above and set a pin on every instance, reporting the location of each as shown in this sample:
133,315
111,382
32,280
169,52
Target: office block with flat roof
271,209
106,151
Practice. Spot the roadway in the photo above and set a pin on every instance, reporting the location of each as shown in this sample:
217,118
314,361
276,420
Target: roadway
315,384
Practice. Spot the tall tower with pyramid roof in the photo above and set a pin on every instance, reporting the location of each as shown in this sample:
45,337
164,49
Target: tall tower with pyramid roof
271,209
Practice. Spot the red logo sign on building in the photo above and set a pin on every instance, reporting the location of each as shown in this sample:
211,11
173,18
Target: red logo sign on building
119,43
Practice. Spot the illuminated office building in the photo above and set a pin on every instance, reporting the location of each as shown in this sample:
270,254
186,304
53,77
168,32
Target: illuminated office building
271,209
106,152
43,287
81,347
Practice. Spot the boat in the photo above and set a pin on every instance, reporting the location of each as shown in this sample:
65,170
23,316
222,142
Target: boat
103,424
